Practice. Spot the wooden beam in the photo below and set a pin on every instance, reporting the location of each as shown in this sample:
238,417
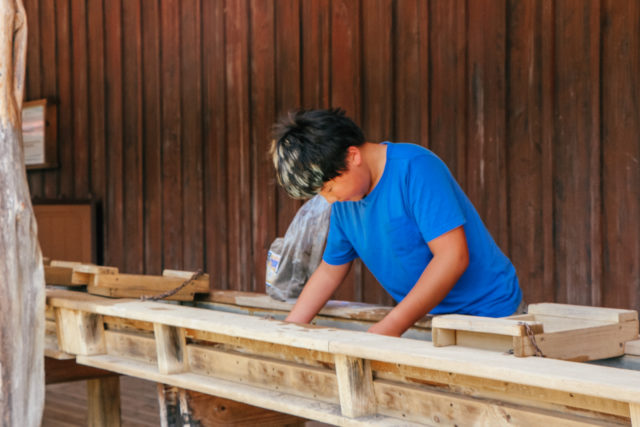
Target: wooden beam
170,348
634,409
103,402
355,385
80,332
632,347
583,312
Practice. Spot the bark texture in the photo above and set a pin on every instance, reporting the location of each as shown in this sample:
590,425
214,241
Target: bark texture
22,295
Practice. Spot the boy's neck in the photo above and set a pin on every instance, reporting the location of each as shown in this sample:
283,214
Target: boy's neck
375,158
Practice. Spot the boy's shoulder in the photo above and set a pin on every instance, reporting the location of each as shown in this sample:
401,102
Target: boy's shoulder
412,154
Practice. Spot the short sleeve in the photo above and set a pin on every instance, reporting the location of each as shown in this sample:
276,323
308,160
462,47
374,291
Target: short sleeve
339,249
433,197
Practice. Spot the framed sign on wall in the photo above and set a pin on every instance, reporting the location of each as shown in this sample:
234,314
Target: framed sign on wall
39,134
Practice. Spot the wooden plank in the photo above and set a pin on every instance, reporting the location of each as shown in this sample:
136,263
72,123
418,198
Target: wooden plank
238,202
80,101
64,100
500,326
191,121
132,345
58,275
80,332
448,35
440,408
598,342
103,397
171,173
263,115
583,312
443,337
355,386
288,62
576,208
114,132
489,388
48,45
215,145
152,138
620,91
255,370
136,285
486,184
95,53
170,348
275,400
525,156
132,135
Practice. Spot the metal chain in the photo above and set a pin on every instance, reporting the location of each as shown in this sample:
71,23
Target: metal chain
167,294
532,338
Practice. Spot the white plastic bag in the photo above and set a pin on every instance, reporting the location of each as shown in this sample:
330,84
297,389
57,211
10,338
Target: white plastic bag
293,258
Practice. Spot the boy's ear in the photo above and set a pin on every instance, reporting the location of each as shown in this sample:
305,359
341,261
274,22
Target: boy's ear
354,156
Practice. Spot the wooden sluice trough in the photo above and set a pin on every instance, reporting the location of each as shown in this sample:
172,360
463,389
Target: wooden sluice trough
234,346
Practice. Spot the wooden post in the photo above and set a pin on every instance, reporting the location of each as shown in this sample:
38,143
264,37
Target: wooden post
103,402
22,322
170,347
80,332
355,385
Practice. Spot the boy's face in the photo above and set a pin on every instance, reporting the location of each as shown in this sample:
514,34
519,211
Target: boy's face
352,185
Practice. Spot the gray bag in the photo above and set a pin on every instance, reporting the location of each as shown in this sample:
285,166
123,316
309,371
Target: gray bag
291,260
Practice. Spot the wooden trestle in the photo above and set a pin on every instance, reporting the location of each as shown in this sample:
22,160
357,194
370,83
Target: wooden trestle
336,376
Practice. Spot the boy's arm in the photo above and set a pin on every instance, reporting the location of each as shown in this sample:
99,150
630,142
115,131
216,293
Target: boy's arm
317,291
450,260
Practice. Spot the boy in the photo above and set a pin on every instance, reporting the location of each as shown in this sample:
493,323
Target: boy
398,208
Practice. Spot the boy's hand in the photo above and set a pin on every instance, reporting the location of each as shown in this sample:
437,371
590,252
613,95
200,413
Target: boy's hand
381,328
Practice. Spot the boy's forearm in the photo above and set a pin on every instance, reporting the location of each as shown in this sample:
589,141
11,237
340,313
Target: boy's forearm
317,291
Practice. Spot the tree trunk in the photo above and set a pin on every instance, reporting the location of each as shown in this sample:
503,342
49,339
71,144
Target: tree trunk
22,295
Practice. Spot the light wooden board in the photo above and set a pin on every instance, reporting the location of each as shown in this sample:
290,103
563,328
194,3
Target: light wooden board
632,347
556,374
272,399
583,312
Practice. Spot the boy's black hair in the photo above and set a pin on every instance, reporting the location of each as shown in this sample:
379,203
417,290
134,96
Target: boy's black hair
310,148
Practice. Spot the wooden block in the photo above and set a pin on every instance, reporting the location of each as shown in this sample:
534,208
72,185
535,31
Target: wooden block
490,325
443,337
632,347
103,401
80,332
132,345
355,386
58,275
583,312
582,345
170,347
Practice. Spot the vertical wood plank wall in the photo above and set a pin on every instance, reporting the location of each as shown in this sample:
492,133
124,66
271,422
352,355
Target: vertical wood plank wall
165,106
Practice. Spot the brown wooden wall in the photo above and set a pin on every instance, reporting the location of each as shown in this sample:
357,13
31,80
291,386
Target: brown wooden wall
164,110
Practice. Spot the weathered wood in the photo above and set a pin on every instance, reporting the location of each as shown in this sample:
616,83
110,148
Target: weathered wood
21,272
103,395
80,332
170,348
355,384
634,409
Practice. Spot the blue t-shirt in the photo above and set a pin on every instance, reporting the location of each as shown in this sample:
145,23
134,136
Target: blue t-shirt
416,200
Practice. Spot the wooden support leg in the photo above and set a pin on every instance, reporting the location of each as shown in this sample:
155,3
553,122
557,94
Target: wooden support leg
80,332
104,402
355,386
170,347
634,409
443,337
